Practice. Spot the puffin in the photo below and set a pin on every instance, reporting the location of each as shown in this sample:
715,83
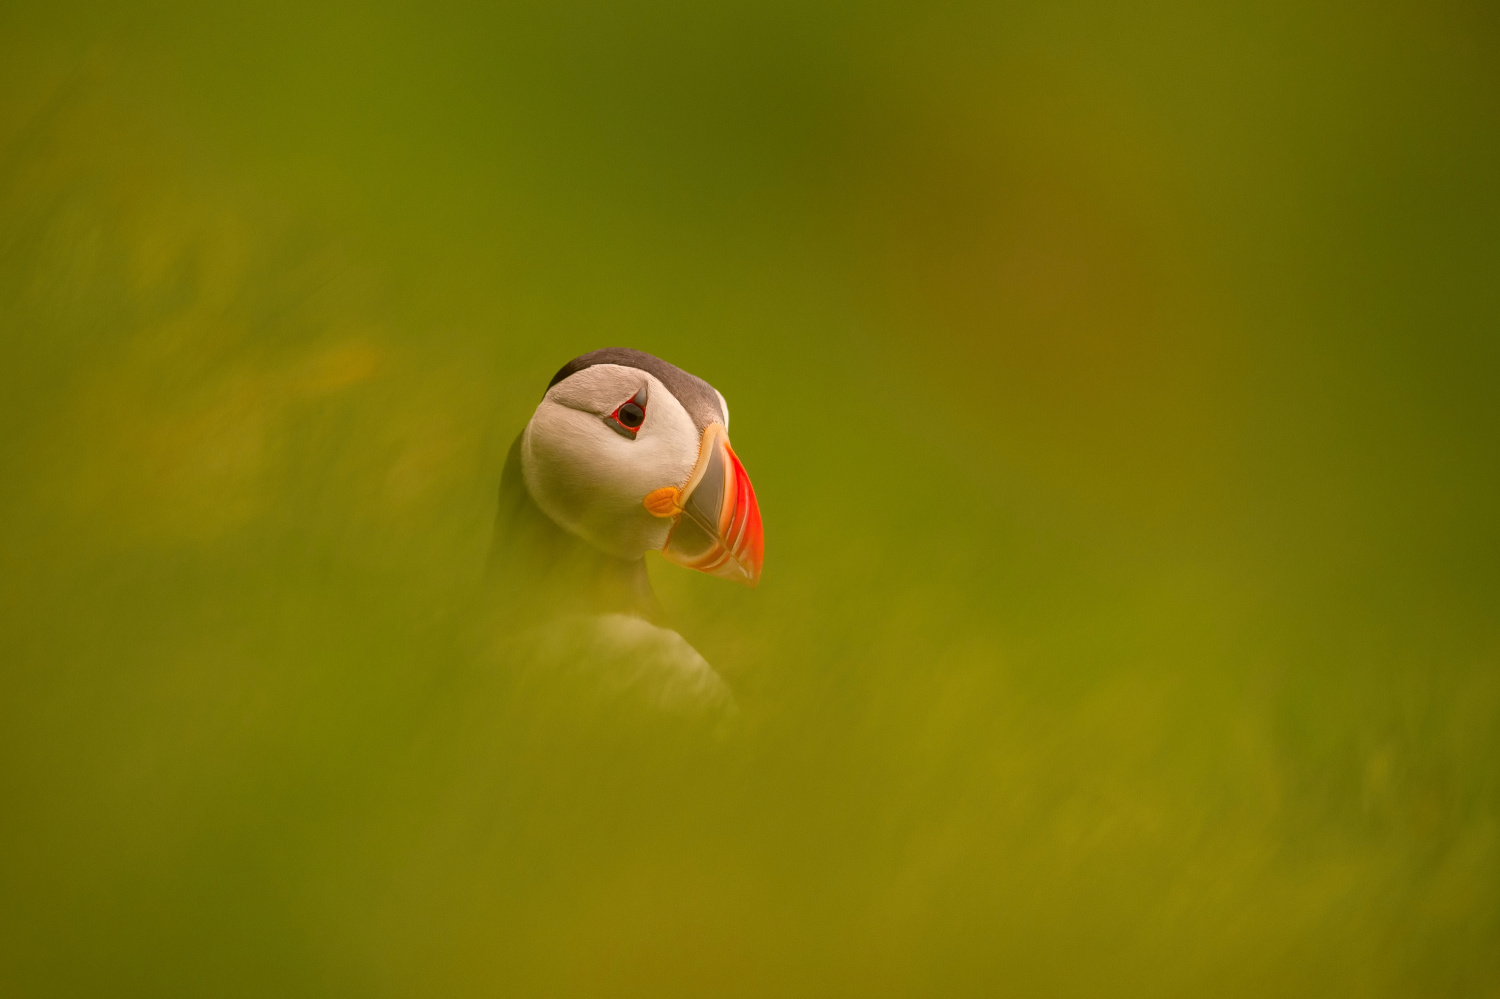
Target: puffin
625,454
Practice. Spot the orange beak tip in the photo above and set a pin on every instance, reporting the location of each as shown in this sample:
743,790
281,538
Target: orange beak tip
719,531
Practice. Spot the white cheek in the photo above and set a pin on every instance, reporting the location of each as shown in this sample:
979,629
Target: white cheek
591,479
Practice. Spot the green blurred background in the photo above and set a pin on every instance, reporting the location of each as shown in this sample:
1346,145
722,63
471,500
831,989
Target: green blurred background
1120,387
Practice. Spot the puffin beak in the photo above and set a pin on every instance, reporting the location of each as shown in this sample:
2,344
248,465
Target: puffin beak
717,521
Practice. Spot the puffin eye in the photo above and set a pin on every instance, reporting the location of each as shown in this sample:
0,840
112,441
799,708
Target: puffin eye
628,416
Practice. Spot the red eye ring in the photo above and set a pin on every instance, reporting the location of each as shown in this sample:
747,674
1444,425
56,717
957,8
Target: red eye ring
630,415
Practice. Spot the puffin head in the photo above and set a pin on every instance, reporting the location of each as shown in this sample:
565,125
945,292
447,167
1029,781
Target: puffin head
631,454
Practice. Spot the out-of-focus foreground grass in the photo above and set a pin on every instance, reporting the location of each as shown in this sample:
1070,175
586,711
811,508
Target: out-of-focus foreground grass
1119,383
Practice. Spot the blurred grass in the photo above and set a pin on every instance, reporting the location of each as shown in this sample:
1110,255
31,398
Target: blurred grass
1119,386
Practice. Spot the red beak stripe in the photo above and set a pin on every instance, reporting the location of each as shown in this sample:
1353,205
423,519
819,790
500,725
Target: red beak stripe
719,528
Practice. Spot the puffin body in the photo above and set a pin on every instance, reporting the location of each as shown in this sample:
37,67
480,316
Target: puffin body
625,454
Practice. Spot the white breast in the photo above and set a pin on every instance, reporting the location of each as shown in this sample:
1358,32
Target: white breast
627,658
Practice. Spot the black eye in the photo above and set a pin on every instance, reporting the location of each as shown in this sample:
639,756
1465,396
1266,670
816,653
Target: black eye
627,419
